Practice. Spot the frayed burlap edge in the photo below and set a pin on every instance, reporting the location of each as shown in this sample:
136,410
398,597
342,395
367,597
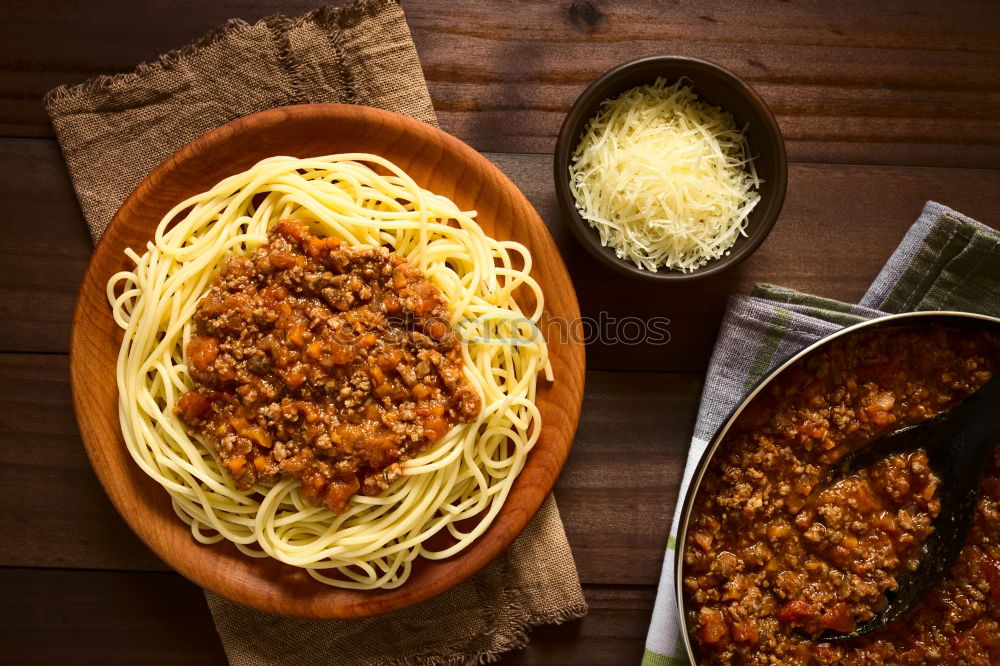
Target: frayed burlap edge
332,18
463,653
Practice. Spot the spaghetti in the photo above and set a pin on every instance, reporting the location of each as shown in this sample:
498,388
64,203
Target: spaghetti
361,200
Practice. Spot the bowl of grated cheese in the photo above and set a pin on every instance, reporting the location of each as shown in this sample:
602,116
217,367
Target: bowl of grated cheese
670,168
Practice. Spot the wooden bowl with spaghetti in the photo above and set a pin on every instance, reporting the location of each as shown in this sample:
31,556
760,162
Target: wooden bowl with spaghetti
264,455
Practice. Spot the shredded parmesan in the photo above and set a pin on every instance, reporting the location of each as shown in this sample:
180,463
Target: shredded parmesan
664,178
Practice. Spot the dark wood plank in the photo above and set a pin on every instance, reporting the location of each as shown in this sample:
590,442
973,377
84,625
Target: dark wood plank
613,631
893,84
45,246
632,441
72,524
101,617
838,227
630,450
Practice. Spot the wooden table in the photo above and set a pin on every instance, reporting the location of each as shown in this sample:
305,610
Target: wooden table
883,106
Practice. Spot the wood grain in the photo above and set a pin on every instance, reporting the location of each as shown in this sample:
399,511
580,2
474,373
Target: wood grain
69,521
895,83
434,160
102,617
632,441
45,247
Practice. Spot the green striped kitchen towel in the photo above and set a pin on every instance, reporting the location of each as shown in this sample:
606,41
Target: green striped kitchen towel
946,262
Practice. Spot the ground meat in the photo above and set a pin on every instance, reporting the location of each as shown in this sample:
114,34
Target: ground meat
323,362
775,555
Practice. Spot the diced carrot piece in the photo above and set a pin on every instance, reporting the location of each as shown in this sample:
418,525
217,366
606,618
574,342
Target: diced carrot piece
778,530
745,632
435,427
703,540
202,351
712,626
273,294
814,430
428,295
295,464
437,330
390,359
258,435
865,499
298,335
391,304
339,492
236,466
280,259
341,354
192,405
295,377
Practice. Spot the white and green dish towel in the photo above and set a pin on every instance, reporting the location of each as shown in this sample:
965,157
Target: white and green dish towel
946,261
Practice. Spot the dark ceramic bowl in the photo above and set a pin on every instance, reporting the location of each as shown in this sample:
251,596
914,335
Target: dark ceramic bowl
715,86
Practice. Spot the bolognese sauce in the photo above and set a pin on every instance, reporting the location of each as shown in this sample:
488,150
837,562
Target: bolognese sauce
774,557
329,363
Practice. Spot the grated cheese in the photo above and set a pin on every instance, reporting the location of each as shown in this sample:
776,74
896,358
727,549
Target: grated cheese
664,178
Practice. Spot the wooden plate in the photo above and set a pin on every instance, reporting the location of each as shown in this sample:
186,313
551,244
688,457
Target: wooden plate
437,161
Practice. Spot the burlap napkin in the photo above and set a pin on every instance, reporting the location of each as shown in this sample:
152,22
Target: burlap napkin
945,262
114,130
